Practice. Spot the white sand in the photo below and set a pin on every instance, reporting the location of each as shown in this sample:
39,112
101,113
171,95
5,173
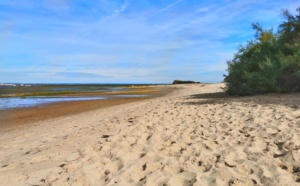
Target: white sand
173,140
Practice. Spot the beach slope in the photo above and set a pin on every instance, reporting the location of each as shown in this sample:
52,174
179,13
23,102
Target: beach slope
196,135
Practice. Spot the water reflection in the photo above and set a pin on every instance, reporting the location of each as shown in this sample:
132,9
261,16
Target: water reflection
16,102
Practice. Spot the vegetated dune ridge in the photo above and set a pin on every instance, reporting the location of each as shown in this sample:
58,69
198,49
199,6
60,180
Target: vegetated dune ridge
194,136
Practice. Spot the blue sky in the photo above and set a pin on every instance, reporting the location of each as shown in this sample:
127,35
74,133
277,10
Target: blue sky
127,41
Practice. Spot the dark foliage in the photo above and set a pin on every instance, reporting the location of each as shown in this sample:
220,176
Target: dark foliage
270,63
183,82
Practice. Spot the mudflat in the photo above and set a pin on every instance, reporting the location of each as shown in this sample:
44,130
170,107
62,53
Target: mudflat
22,117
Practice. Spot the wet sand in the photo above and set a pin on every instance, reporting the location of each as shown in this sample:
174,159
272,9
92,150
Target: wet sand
23,117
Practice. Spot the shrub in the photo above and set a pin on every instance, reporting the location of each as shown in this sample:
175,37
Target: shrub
270,63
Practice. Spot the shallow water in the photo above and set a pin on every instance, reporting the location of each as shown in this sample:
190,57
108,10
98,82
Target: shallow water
11,94
16,102
9,89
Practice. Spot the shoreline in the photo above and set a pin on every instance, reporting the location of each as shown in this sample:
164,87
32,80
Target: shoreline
193,136
23,117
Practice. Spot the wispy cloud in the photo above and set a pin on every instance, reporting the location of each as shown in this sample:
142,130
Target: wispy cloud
121,9
79,75
58,40
166,8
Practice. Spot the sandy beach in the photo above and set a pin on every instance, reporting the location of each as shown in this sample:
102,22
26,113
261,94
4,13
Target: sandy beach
196,135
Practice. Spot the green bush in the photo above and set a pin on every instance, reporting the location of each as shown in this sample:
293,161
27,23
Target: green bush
270,63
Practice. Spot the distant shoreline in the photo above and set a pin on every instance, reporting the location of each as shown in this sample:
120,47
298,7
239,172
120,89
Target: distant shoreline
16,117
28,95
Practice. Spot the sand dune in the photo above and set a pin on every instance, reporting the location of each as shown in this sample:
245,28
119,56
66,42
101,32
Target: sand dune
194,136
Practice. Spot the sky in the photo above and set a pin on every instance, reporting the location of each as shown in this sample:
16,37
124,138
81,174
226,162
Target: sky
127,41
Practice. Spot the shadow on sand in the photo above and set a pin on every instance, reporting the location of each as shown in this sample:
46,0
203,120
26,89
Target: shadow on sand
291,100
